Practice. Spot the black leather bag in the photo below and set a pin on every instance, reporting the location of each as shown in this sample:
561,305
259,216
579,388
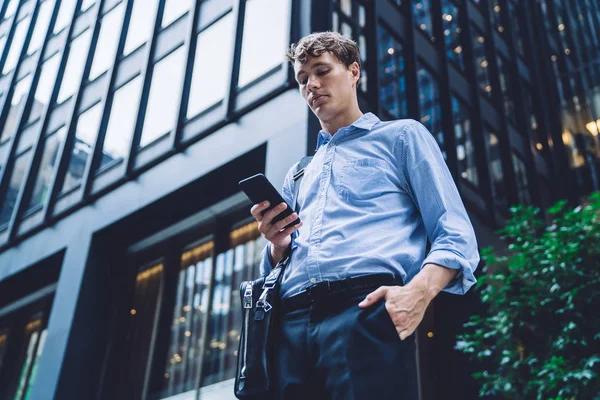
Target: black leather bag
259,311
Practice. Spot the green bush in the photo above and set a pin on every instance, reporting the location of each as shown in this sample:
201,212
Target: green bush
541,336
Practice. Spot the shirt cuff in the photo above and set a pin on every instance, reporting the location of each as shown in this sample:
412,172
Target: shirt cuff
464,279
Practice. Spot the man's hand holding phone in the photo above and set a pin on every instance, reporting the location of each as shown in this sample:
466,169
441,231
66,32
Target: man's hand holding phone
275,232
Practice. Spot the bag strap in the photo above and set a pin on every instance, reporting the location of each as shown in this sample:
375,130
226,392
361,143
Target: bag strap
298,178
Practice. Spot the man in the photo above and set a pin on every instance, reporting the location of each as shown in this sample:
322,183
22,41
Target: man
358,282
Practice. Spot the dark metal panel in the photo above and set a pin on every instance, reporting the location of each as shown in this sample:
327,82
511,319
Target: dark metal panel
239,12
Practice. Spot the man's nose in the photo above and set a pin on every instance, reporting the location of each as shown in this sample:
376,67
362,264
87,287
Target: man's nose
313,83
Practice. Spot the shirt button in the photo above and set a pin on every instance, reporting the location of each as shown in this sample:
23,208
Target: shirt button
313,280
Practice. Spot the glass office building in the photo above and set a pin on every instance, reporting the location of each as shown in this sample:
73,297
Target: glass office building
125,126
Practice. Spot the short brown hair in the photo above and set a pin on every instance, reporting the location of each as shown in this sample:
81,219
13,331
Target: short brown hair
317,43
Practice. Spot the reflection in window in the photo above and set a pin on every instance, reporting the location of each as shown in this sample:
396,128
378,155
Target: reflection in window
237,264
506,88
452,32
210,79
75,64
123,115
45,86
35,339
392,75
481,62
266,34
18,173
67,7
87,4
108,40
16,105
11,8
3,342
163,99
173,10
494,161
141,24
521,180
513,10
45,174
16,45
187,335
429,105
422,16
497,16
41,26
85,137
532,119
465,151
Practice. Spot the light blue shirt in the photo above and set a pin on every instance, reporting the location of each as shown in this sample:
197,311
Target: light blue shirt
369,199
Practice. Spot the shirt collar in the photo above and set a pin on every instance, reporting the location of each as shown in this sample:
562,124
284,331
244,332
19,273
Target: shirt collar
366,122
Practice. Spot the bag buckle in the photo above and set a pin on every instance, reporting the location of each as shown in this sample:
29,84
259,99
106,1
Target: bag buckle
248,296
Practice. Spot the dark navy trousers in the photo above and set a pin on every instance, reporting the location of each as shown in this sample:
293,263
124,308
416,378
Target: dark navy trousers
333,349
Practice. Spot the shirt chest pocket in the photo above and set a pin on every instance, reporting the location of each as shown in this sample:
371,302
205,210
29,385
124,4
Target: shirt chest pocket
363,178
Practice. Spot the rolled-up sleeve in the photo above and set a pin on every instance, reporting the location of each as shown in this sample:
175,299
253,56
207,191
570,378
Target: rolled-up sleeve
287,193
433,190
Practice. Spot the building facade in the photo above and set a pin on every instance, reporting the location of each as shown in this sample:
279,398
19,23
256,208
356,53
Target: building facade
125,126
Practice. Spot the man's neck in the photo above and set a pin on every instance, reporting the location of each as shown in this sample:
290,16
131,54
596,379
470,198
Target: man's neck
341,121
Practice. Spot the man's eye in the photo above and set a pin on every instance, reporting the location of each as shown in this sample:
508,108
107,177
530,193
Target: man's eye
303,82
323,72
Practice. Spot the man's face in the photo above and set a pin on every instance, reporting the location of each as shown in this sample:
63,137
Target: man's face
327,85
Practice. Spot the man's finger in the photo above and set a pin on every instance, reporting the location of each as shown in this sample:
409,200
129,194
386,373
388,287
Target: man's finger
374,297
257,210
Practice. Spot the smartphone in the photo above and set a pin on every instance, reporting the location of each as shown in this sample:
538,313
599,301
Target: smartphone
258,189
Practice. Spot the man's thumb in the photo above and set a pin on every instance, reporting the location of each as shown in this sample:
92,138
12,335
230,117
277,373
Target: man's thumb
374,297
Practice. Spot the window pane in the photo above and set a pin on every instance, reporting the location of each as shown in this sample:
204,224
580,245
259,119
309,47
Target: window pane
41,26
85,137
34,367
189,315
67,7
392,75
505,88
266,33
77,57
521,180
11,8
108,40
232,267
481,63
16,46
45,173
122,122
497,16
173,10
164,95
465,152
44,87
87,4
16,105
513,9
28,356
18,173
3,342
2,44
422,15
452,33
141,24
210,79
429,105
493,153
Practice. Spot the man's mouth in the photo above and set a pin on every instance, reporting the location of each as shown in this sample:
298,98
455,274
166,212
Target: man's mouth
317,98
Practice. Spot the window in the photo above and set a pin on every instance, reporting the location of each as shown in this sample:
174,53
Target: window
14,185
44,88
505,88
429,105
45,174
497,16
2,44
16,107
422,16
481,62
266,33
87,4
173,10
141,24
210,79
74,70
16,45
35,340
392,75
532,119
108,41
521,180
3,340
465,151
163,100
494,160
67,8
513,10
187,335
11,8
122,120
85,137
452,33
41,26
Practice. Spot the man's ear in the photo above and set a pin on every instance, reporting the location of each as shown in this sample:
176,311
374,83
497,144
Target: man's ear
355,71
